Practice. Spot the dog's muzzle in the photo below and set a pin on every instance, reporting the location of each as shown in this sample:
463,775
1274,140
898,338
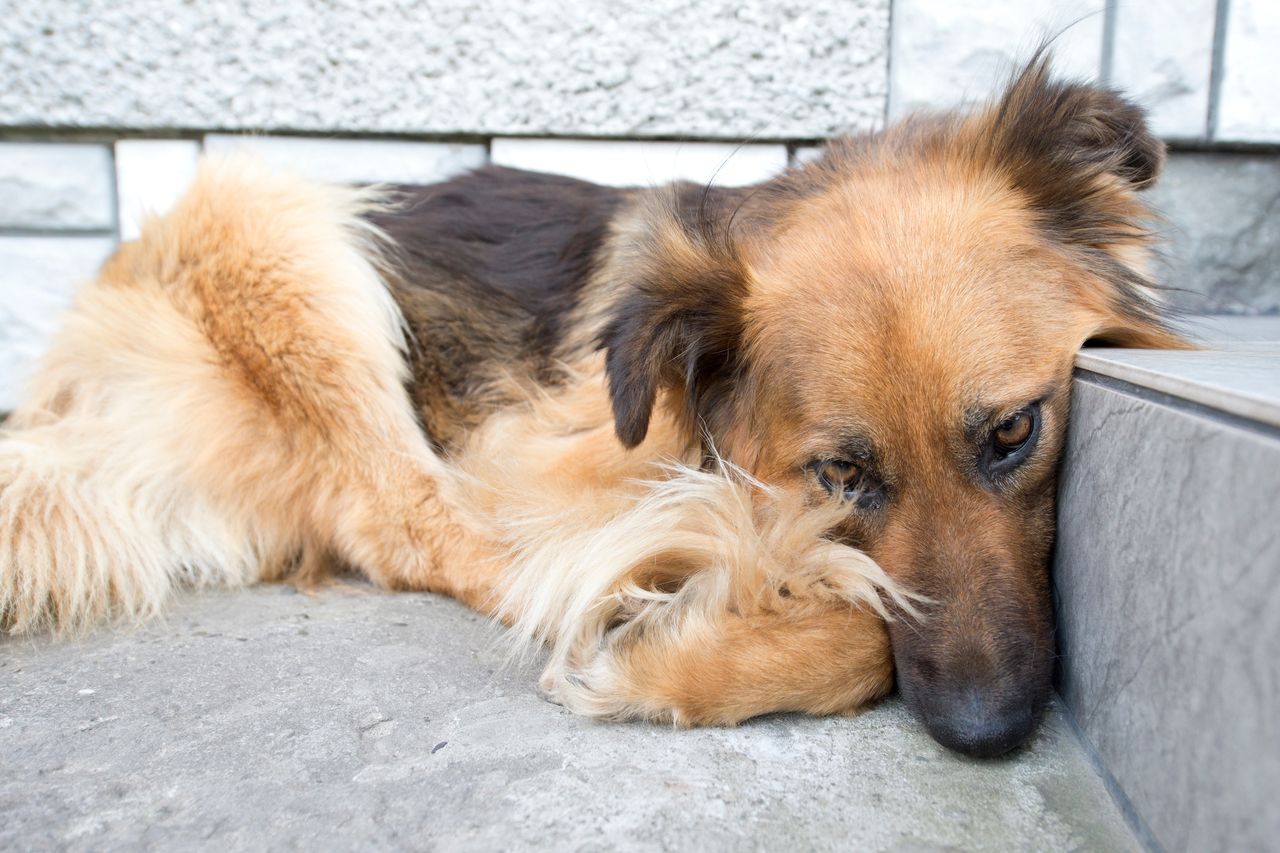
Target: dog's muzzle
981,703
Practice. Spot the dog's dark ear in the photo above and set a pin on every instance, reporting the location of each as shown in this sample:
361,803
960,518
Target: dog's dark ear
678,324
1071,148
1079,154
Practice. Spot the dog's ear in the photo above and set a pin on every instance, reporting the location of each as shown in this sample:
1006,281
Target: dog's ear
678,324
1079,154
1070,147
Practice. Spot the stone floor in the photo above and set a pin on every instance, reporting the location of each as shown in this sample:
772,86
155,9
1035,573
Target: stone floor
351,719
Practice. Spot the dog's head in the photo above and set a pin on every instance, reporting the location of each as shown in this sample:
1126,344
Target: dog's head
895,324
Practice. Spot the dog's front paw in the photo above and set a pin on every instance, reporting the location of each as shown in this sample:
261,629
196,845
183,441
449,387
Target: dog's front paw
693,671
597,682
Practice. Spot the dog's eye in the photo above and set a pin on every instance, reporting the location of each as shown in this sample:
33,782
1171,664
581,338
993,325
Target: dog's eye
1013,432
849,481
837,476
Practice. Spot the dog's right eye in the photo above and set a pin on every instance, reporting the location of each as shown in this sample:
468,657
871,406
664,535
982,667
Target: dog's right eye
848,481
837,477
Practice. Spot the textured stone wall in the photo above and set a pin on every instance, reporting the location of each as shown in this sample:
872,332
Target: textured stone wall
105,106
1205,70
703,68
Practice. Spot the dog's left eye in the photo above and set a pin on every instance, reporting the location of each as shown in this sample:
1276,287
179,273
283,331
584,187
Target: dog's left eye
1014,431
1012,440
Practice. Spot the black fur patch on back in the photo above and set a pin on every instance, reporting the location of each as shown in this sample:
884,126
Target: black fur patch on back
487,269
516,245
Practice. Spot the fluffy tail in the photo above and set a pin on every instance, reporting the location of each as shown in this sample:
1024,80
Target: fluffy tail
83,540
168,438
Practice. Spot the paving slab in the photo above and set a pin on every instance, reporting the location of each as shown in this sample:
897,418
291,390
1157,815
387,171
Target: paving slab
267,719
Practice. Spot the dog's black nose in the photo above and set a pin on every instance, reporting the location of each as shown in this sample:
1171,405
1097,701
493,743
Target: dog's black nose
972,724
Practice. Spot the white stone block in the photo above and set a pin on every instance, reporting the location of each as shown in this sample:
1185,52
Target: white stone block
356,161
643,164
56,186
150,176
948,52
1162,57
1249,103
38,278
805,154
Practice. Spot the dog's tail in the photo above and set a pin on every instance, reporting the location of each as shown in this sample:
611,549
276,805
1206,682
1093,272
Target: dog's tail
163,441
89,532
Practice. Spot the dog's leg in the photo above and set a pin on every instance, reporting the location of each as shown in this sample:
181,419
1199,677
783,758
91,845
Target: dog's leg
227,394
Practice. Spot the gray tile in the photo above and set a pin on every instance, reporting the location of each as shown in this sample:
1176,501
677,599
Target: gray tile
56,186
38,278
1249,102
946,53
1168,580
1221,218
643,164
151,175
357,161
1162,57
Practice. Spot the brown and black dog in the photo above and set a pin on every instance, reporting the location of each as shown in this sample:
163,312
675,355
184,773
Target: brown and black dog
725,451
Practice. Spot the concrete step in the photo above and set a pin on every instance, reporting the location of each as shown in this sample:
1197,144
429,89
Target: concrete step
1167,575
269,719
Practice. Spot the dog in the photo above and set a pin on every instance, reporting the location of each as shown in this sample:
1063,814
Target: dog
724,451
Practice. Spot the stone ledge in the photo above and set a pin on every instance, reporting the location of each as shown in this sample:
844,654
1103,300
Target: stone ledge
1243,382
361,720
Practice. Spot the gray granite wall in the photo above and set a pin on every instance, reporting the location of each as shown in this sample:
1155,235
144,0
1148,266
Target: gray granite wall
701,68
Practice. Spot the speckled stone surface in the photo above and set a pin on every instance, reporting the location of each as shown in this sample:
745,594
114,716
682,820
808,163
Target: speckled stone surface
1168,581
268,719
723,69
